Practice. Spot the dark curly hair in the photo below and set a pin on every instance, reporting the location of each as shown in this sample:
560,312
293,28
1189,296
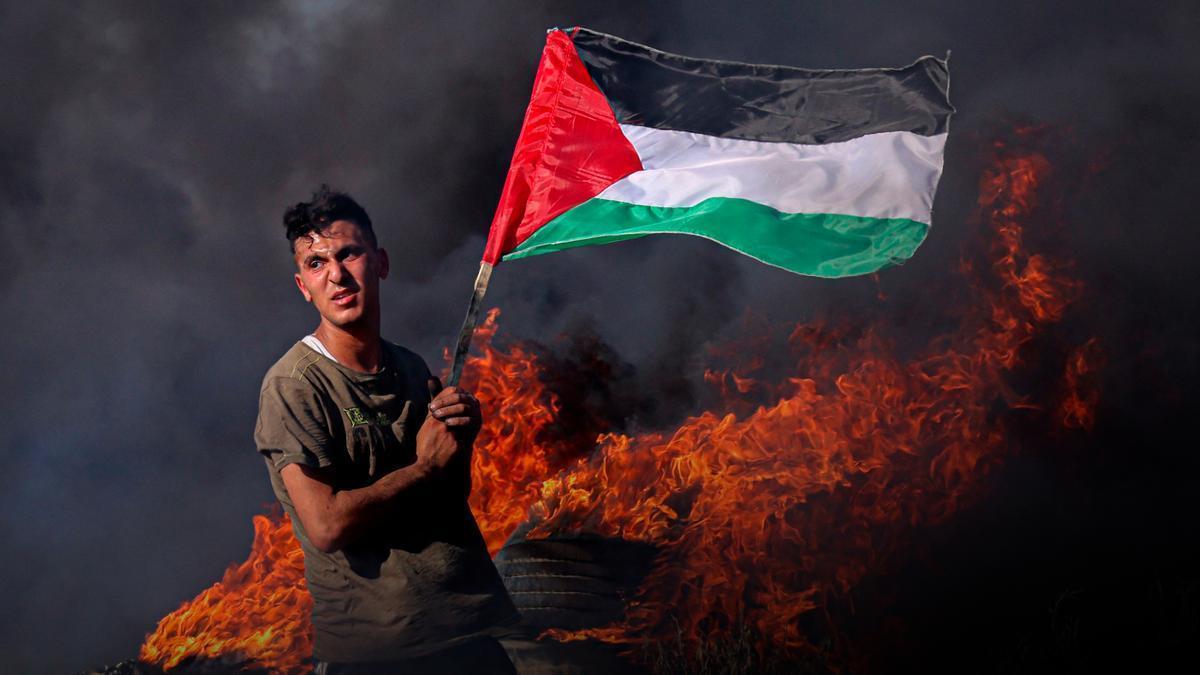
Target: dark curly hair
326,206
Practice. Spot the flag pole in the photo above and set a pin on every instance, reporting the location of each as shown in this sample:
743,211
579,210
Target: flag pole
468,327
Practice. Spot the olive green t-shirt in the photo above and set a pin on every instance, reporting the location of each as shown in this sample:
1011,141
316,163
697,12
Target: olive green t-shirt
424,579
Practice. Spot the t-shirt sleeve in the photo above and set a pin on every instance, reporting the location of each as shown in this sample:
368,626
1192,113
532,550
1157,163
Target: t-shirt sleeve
293,425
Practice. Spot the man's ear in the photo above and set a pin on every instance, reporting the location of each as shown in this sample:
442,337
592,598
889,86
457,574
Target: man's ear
303,290
383,265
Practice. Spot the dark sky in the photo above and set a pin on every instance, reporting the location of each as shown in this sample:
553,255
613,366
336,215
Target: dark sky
147,151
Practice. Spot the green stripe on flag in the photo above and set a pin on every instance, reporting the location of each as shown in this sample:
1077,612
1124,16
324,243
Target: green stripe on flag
817,244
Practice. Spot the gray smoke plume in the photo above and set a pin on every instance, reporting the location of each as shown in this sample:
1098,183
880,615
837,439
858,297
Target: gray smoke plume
147,151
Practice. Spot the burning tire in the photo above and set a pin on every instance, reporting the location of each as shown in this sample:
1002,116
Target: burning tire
570,583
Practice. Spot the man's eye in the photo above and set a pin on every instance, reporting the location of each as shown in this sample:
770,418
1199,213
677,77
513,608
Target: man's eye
314,264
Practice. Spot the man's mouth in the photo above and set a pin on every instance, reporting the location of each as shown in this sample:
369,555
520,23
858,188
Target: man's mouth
343,297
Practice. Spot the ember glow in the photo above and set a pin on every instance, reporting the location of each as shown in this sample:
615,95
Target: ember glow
761,512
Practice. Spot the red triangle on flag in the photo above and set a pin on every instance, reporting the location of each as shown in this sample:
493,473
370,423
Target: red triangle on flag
570,149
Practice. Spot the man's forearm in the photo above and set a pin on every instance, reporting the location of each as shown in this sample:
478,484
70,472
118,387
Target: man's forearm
334,518
357,511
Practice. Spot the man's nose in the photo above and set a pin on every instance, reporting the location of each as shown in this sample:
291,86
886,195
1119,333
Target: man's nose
336,272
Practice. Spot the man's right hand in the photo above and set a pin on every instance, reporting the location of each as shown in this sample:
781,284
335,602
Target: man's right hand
437,446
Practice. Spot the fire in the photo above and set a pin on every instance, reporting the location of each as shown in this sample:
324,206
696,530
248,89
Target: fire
768,515
517,448
1078,407
257,614
762,511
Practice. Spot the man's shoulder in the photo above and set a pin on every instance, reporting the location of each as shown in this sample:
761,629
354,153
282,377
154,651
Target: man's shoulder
303,367
293,367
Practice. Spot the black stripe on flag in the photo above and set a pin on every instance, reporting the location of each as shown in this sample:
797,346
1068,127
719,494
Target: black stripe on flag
648,87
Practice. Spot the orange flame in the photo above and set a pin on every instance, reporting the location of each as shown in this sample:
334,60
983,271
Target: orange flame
258,614
1078,407
515,451
764,513
764,516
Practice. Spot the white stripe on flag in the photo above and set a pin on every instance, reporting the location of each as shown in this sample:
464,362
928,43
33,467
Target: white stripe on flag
886,175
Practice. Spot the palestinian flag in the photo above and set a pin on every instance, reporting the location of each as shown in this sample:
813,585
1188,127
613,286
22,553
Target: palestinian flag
822,172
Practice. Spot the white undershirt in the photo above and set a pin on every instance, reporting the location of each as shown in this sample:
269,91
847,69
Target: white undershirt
319,347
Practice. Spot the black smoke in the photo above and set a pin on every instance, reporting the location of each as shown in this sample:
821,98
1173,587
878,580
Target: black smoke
147,151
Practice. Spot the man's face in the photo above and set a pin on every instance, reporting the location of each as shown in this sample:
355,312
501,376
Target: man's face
339,272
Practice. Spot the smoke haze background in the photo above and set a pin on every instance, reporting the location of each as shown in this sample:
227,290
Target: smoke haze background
148,150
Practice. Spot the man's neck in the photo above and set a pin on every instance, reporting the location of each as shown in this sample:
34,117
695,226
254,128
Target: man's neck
359,350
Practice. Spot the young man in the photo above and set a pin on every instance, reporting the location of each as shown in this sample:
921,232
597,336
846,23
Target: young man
370,458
